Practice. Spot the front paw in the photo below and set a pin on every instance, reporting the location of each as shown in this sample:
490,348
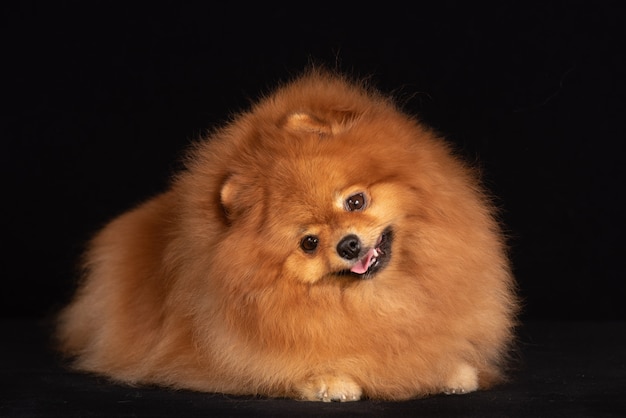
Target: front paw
464,380
331,389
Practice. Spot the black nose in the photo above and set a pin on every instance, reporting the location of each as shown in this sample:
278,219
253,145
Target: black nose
349,247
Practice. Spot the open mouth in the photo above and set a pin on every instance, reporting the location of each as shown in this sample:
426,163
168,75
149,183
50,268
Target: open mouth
373,260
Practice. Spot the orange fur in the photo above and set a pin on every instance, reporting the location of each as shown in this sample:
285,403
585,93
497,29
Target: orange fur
206,286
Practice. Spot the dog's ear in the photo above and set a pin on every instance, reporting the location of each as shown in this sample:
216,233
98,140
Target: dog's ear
305,122
337,121
238,197
227,195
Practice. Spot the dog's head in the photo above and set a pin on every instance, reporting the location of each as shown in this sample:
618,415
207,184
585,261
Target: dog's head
324,199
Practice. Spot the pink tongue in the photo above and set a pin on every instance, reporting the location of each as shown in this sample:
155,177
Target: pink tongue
363,264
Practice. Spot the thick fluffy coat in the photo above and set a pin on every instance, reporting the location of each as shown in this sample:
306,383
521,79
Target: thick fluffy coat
323,246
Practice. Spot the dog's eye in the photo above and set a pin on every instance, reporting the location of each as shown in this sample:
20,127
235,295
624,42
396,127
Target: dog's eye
355,202
309,243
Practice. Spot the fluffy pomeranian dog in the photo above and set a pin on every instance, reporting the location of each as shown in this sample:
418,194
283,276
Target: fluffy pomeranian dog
321,246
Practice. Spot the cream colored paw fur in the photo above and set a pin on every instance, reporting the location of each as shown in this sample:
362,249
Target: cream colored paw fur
331,388
464,380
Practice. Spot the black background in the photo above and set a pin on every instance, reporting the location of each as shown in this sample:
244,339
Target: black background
99,100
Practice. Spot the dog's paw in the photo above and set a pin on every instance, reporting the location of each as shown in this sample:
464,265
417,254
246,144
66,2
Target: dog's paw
463,380
331,389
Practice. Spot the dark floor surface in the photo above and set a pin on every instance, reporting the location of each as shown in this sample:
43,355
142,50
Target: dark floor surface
568,369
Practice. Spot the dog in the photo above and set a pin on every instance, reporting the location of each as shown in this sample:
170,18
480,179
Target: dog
323,245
